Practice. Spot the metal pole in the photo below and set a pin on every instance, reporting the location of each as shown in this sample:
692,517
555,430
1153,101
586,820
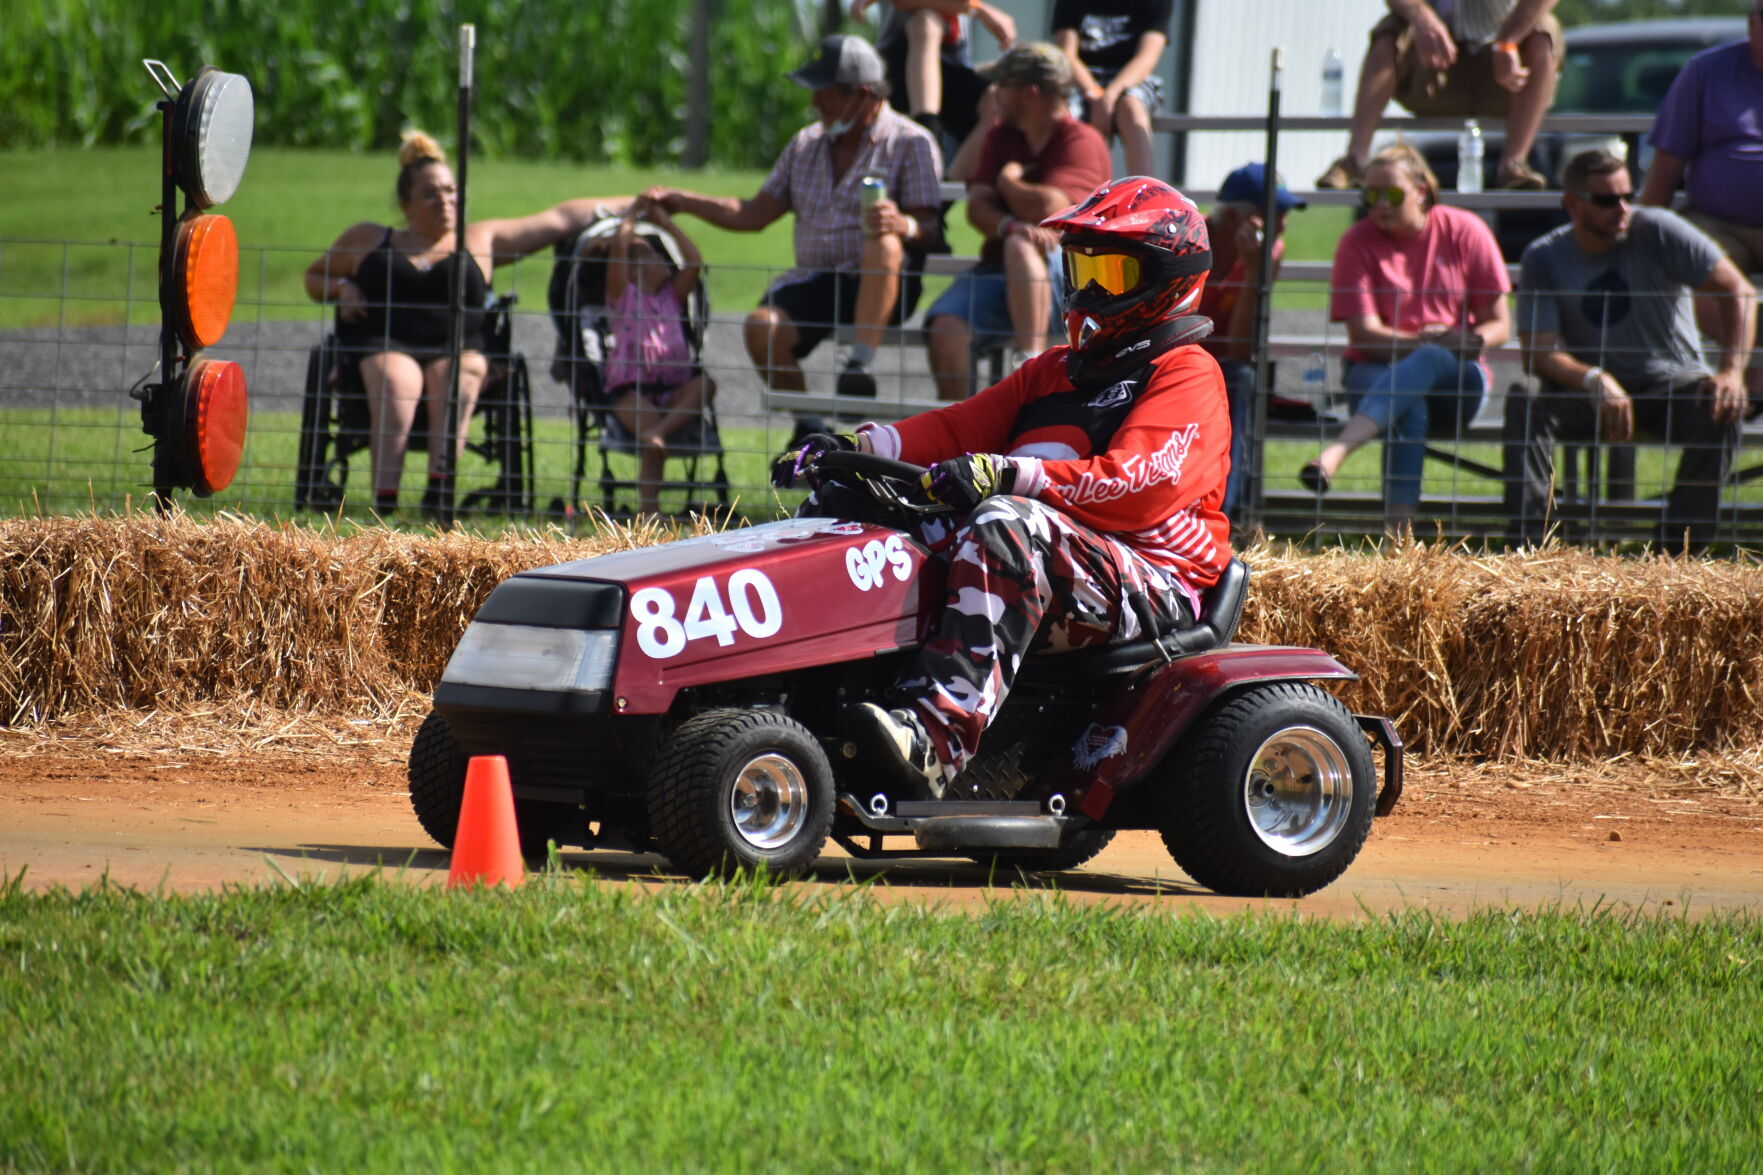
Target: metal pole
1256,449
461,258
162,397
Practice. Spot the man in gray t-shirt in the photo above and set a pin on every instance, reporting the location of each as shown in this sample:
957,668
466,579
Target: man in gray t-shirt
1608,323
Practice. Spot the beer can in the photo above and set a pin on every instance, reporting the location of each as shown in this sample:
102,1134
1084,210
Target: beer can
870,189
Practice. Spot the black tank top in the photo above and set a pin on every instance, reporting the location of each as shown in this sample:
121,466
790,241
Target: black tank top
408,306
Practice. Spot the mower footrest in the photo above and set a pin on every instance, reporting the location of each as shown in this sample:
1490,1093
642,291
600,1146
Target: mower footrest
956,833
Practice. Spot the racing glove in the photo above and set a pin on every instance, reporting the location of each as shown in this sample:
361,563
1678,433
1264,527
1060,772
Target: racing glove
787,470
961,483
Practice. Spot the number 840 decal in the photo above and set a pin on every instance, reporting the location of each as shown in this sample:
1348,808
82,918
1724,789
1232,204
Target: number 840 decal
752,607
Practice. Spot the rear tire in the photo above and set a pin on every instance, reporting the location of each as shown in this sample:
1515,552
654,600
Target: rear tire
1271,793
437,790
737,789
1077,849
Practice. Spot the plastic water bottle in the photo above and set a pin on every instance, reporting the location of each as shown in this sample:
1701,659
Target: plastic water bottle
1331,84
1316,381
1469,149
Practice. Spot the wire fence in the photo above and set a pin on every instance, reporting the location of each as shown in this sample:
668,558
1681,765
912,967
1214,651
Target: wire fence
79,327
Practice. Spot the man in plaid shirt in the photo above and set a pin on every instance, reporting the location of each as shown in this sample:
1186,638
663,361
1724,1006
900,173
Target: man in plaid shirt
851,266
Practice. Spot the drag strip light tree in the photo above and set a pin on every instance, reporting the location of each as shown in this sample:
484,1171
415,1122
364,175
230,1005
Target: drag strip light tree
197,413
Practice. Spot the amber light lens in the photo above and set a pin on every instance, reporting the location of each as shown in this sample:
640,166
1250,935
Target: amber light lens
215,413
1114,272
204,279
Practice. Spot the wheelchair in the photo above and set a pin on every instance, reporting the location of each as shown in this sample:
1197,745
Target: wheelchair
335,425
577,295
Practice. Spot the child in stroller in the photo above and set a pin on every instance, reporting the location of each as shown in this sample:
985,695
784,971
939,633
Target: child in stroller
653,385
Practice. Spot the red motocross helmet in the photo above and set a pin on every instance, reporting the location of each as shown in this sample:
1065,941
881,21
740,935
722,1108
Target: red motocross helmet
1136,254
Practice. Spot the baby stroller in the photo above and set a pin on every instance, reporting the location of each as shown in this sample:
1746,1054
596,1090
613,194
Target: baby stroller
335,425
577,297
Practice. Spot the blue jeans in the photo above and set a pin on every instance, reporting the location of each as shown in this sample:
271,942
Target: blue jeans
1239,387
980,298
1429,389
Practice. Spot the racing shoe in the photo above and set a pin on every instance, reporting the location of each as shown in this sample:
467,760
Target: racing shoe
897,741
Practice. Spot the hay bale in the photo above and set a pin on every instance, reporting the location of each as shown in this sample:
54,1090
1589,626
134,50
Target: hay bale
1557,654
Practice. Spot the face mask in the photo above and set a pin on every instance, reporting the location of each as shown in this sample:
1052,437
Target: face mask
835,129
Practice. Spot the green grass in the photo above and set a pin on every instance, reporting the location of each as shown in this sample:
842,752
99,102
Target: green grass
74,459
368,1026
78,243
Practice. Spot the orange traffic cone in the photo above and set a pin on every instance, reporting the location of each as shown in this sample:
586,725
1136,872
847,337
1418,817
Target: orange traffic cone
486,847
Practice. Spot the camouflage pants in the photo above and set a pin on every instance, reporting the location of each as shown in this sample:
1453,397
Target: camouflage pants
1023,578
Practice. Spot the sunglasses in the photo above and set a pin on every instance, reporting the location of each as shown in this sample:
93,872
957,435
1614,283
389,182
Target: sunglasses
1606,199
1115,273
1392,196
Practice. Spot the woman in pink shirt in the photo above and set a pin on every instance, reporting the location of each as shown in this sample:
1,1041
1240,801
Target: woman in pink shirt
1421,288
652,385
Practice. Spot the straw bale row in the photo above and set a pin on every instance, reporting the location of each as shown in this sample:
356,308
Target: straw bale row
1557,654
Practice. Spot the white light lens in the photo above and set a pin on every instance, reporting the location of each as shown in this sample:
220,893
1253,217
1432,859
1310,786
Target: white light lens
519,656
223,141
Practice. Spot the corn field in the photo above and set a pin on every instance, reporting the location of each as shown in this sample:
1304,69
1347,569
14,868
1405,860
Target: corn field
601,81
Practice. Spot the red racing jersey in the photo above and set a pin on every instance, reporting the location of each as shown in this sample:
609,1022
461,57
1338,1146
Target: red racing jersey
1144,460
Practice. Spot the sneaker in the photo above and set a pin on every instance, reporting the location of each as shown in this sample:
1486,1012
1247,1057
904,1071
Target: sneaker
1521,177
1342,173
897,740
856,381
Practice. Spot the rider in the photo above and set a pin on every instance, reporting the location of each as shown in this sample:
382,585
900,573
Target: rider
1093,473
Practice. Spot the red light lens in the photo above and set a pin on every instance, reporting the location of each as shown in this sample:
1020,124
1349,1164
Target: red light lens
216,414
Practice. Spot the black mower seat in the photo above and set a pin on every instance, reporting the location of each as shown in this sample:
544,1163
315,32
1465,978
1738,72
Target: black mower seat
1221,612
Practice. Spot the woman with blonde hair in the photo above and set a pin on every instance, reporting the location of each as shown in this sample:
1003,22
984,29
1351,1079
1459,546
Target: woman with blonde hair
1421,289
393,288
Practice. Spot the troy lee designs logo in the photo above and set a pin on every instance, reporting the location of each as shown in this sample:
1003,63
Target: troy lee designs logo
1163,465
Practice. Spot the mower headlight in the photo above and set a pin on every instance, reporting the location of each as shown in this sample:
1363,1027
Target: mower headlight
520,656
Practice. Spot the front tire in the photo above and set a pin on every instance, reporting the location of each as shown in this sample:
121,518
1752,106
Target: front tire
437,790
736,789
1271,794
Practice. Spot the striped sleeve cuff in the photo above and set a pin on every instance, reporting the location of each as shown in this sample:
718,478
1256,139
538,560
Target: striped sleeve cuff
1031,479
884,440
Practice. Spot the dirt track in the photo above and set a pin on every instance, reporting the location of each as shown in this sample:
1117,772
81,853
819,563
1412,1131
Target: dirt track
169,807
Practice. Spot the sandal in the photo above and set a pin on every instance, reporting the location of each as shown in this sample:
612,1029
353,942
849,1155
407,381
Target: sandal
1520,177
1342,173
1314,479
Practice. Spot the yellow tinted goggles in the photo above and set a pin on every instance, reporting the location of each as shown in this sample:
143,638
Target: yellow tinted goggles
1116,273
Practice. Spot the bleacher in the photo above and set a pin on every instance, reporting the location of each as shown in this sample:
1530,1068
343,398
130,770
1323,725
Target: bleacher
1283,507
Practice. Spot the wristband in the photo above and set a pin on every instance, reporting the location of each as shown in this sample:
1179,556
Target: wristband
1589,380
911,230
1509,46
1004,226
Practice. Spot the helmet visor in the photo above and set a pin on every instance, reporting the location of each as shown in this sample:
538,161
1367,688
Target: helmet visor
1115,273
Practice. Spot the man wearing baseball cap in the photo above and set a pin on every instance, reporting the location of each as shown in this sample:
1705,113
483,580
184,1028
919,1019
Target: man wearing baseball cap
1034,161
1238,232
851,264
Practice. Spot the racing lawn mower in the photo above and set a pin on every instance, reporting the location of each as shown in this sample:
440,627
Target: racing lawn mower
695,699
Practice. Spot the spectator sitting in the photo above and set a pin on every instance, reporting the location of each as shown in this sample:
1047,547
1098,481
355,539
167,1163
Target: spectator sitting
652,386
1421,288
1491,58
1230,298
1605,312
393,288
1706,132
1114,47
1035,161
850,265
927,49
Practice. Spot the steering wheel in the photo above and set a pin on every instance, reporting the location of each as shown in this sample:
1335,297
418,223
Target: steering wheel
893,484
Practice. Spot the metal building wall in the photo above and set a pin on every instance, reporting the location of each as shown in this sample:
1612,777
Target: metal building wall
1232,51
